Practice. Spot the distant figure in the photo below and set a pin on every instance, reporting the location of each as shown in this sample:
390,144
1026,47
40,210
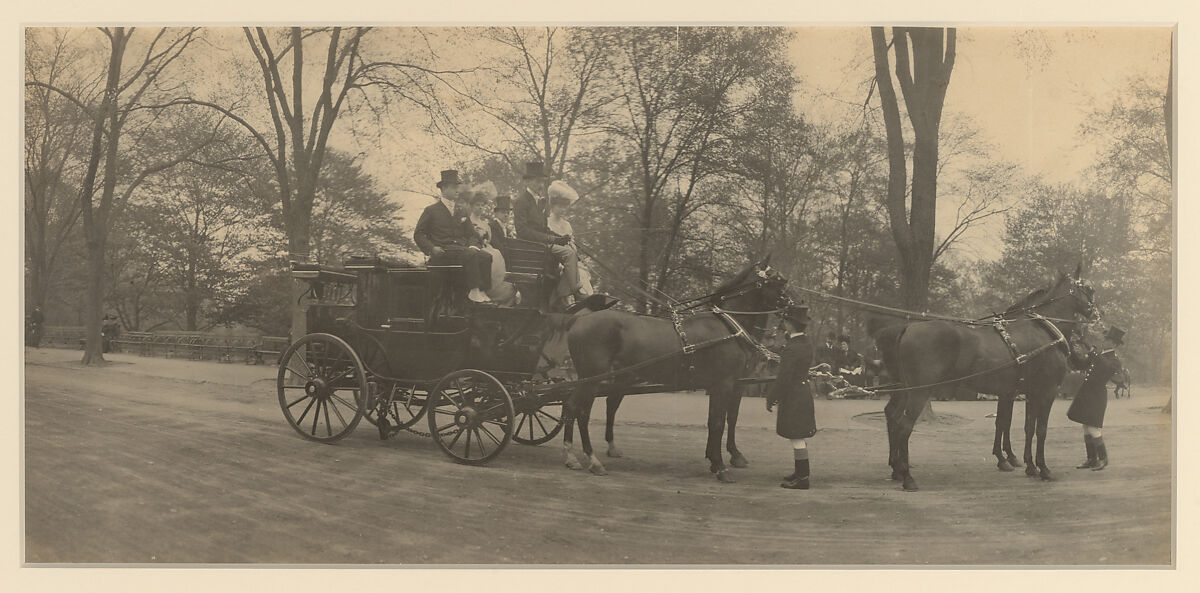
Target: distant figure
33,327
796,419
848,364
110,329
1091,402
1121,382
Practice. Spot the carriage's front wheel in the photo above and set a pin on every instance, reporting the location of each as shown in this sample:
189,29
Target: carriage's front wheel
322,387
537,424
470,416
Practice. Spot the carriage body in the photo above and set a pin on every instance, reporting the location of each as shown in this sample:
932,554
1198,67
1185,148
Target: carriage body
392,343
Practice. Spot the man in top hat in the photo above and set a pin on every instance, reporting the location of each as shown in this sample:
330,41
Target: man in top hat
796,419
441,234
530,216
1091,401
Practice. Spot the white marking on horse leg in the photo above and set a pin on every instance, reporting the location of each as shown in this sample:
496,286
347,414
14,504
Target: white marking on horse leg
596,467
569,456
613,451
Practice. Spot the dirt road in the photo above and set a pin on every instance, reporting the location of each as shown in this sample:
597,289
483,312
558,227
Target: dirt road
141,462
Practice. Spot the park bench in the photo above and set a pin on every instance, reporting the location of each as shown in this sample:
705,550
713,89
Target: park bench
272,346
132,342
70,336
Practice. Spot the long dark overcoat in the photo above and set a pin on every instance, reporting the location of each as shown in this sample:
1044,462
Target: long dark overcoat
1091,401
796,418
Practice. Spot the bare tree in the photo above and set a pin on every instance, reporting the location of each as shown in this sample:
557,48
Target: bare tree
55,138
542,91
297,140
126,86
923,82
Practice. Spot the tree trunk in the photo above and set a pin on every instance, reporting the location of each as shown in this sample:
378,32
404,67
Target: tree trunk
94,303
298,252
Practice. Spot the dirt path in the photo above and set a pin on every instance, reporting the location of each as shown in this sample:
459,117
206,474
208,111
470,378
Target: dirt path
124,465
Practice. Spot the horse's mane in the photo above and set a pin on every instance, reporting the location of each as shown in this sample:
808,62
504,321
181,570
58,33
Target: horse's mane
1036,297
738,280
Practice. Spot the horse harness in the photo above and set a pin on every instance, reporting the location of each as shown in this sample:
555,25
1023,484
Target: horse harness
1001,326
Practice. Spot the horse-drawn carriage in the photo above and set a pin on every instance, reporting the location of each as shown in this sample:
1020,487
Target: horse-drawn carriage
396,344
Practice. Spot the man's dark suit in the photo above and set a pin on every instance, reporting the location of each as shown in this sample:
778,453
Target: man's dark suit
530,216
438,227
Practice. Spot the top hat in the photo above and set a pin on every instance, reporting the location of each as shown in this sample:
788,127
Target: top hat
449,177
1115,334
797,314
503,202
831,336
535,171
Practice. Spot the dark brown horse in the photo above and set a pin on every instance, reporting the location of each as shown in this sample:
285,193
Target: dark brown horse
929,356
612,340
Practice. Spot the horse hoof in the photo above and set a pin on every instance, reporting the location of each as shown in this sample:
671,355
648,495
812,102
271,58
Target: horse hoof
597,470
1004,466
1013,461
613,451
572,464
739,461
1046,477
910,485
725,477
1031,471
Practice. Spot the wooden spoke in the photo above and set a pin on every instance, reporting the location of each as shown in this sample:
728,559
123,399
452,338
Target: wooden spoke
334,368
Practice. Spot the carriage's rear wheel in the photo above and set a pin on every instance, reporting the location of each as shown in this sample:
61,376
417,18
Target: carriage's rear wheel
322,387
470,416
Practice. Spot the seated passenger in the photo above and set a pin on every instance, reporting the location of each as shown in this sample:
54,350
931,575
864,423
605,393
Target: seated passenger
530,218
561,198
479,228
440,234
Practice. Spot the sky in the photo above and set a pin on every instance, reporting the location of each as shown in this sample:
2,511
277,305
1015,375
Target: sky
1026,90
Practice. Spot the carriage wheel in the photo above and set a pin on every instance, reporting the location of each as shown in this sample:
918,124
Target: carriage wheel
537,424
322,387
402,405
470,416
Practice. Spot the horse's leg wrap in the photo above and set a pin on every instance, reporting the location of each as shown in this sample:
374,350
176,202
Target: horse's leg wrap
569,456
595,466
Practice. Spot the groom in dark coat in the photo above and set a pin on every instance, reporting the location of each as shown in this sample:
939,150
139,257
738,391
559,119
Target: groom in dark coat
796,420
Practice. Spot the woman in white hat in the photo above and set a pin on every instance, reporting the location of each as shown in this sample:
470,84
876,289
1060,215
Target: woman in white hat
562,196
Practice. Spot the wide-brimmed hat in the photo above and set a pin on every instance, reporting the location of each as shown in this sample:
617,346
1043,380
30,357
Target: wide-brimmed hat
535,171
480,193
844,338
504,202
560,192
1116,334
449,177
